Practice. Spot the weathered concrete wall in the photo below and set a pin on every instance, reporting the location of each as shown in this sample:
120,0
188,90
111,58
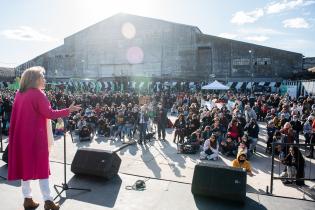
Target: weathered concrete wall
308,63
161,49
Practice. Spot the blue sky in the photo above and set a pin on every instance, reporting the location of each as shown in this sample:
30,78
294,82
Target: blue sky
31,27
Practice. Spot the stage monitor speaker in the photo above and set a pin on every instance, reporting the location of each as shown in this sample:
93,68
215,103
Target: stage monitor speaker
221,182
96,162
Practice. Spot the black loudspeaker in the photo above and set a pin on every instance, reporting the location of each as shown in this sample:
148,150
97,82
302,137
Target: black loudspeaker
221,182
96,162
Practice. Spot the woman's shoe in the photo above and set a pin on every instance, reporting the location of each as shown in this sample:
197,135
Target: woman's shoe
50,205
29,203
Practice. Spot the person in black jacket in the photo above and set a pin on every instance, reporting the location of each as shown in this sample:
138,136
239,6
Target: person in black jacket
297,127
252,129
161,119
271,129
180,127
294,163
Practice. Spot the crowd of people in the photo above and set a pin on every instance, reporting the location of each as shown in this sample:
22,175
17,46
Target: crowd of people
205,123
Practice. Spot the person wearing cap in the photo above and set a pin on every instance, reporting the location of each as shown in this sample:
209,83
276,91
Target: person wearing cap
241,162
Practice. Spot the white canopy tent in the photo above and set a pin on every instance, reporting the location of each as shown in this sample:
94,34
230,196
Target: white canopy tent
215,86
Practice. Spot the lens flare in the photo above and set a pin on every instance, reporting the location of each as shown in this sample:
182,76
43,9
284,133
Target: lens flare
128,30
135,55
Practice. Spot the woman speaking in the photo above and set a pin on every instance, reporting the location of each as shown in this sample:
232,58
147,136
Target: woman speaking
28,136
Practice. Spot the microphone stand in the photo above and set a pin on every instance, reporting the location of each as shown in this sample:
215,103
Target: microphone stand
1,144
64,186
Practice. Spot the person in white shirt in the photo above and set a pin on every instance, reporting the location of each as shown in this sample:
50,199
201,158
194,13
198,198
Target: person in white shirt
210,149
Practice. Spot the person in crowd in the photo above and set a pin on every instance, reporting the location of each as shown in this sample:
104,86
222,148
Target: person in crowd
252,129
241,162
162,120
192,124
297,128
129,123
28,136
287,131
180,128
249,113
229,147
210,149
264,111
277,123
283,120
307,130
206,133
143,120
312,141
234,130
278,138
120,124
217,130
174,110
258,111
103,128
244,145
195,137
60,127
294,163
271,130
271,114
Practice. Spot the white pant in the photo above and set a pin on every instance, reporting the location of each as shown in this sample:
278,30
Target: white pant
44,188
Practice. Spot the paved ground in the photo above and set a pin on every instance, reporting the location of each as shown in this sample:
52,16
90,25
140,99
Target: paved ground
169,184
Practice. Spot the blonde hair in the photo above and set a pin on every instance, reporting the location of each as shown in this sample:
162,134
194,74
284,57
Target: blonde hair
30,77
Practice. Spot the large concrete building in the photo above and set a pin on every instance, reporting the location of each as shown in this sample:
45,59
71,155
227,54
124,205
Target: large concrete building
134,46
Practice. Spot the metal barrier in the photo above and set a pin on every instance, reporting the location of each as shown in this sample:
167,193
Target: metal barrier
285,147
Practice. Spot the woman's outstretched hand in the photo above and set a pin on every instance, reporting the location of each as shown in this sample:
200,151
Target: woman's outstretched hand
74,108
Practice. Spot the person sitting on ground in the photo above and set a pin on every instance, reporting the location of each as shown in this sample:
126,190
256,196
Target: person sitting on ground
216,129
241,162
206,133
234,130
228,147
60,127
294,163
243,146
193,142
210,149
103,127
195,137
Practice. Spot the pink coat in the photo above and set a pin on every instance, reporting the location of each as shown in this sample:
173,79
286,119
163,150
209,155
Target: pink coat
28,141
